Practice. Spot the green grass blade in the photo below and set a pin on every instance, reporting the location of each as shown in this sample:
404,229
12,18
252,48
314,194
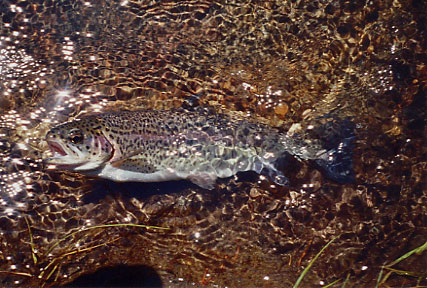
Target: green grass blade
102,226
380,276
346,280
17,273
330,284
33,251
417,250
311,264
404,272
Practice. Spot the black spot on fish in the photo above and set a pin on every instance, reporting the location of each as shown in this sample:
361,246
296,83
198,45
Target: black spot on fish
190,142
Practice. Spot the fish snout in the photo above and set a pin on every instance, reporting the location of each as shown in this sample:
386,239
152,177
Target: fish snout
49,137
52,134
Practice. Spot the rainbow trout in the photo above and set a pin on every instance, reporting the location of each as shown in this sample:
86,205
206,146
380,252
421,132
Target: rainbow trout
153,146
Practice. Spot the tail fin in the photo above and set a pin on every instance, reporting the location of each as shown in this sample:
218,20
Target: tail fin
330,147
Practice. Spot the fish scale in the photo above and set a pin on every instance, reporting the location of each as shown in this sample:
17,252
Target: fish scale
150,146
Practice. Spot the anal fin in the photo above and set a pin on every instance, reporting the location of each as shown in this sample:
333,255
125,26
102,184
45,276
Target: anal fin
276,176
205,180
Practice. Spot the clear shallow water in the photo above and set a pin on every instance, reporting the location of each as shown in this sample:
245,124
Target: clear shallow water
309,67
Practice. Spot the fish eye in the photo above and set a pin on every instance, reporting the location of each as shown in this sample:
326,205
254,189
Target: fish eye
76,136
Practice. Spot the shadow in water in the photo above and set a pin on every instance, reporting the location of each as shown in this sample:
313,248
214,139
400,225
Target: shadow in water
138,190
119,276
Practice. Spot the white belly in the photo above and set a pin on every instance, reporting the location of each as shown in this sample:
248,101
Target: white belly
121,175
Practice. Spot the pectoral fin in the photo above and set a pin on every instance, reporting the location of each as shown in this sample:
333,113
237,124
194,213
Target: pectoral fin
134,165
119,158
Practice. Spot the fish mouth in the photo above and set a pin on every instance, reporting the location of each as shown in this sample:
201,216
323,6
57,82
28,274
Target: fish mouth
69,161
57,149
60,158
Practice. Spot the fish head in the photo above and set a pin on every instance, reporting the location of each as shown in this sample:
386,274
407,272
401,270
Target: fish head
79,145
